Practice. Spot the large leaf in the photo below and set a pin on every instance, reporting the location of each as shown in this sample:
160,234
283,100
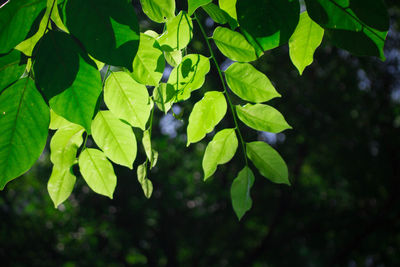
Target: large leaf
262,118
269,22
16,19
268,162
68,79
127,99
233,45
149,63
60,185
189,75
249,84
195,4
11,68
219,151
109,30
64,145
240,192
304,41
164,96
158,10
98,172
115,138
178,33
147,185
24,122
206,114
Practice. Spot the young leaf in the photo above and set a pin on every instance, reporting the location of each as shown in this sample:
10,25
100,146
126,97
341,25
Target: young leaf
229,6
64,145
240,192
233,45
97,171
115,138
304,41
146,140
158,10
149,63
249,84
127,99
219,151
195,4
178,33
108,30
69,80
11,68
268,162
206,114
173,58
60,185
24,123
262,118
16,19
56,121
146,184
189,75
164,96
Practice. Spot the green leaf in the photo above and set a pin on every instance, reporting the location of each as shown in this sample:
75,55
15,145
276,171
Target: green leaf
149,63
24,122
268,162
371,12
233,45
56,121
109,30
262,118
64,145
195,4
219,151
178,33
173,58
11,68
146,184
206,114
219,15
150,153
304,41
189,75
269,22
127,99
249,84
158,10
98,172
70,80
60,185
115,138
229,6
164,95
16,19
151,33
240,192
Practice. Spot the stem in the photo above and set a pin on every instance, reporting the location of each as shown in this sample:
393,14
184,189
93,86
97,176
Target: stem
225,91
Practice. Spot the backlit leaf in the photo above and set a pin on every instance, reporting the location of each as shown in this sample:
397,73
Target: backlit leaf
11,68
195,4
146,184
173,58
158,10
178,33
240,192
219,15
56,121
164,96
60,185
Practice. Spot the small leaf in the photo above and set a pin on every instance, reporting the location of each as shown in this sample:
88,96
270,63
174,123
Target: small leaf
56,121
173,58
115,138
195,4
164,96
152,33
206,114
60,185
97,171
249,84
189,75
11,68
262,118
178,33
146,140
219,151
240,192
268,162
219,15
233,45
127,99
149,63
146,184
158,10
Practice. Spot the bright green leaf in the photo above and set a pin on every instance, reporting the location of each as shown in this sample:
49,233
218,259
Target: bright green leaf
268,162
146,184
178,33
195,4
219,15
229,6
146,141
164,96
60,185
11,68
233,45
115,138
240,192
127,99
173,58
151,33
158,10
219,151
304,41
262,118
56,121
206,114
24,123
249,84
98,172
149,63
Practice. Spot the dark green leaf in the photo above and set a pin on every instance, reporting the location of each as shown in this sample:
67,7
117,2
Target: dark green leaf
240,192
11,68
164,96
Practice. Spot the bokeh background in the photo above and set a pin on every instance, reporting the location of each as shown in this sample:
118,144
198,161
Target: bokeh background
343,208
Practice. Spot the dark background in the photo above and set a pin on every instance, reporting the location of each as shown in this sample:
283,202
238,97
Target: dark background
342,209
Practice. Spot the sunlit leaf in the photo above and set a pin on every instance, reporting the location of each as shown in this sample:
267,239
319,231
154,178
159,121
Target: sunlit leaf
11,68
158,10
56,121
146,184
240,192
229,6
219,15
178,33
60,185
164,96
173,58
195,4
